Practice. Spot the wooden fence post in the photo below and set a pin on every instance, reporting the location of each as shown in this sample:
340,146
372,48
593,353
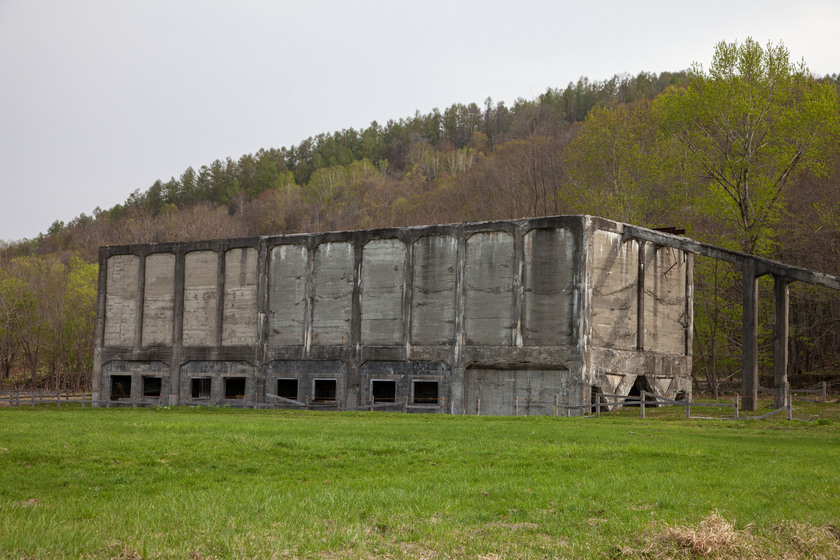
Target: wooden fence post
516,405
823,391
442,404
405,403
735,405
372,402
478,407
556,404
641,404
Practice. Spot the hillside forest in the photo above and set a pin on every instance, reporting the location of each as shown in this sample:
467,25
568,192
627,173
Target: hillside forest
744,154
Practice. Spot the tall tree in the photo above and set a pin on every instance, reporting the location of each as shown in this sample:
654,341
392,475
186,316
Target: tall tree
751,121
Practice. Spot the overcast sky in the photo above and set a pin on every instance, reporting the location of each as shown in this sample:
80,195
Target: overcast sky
102,97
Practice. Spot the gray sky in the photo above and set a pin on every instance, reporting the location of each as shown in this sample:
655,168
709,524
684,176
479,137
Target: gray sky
102,97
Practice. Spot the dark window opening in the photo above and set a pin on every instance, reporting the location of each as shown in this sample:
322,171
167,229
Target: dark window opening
234,387
201,387
152,386
425,392
287,388
324,390
680,396
120,387
383,391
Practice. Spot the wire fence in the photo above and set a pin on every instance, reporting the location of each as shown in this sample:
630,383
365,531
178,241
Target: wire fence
601,402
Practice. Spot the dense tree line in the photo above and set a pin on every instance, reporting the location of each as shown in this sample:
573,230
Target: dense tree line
638,149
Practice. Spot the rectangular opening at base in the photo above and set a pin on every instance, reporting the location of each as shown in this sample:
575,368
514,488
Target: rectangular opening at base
287,388
120,387
383,391
234,387
201,387
152,386
425,392
324,390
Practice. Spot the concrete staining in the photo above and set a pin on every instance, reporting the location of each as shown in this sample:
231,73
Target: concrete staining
507,317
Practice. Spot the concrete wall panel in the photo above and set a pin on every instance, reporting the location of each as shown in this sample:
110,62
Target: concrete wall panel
201,278
614,281
502,390
548,287
665,300
159,299
121,300
333,286
488,289
239,325
287,295
433,303
383,281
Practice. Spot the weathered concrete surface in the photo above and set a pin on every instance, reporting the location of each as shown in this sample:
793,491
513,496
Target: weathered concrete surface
433,305
383,282
159,299
333,287
488,289
614,278
666,315
421,318
506,392
287,295
548,287
239,323
201,284
121,300
218,373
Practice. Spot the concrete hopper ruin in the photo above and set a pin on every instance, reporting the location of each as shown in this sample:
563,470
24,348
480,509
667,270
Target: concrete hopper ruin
522,316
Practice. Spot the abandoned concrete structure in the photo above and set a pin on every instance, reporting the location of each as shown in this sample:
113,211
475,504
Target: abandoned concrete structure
520,316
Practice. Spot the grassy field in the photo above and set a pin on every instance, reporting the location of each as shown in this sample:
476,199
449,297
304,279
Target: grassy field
221,483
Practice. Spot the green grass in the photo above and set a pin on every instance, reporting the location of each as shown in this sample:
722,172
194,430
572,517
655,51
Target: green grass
180,483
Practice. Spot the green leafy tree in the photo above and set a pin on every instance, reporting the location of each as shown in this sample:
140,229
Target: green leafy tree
750,122
621,166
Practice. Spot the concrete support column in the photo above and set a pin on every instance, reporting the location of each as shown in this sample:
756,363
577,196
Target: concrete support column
780,341
749,345
689,304
640,299
177,331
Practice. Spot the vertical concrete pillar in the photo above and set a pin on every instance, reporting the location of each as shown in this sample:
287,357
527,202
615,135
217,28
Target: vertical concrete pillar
99,331
141,296
457,383
352,386
408,298
780,341
261,348
518,295
749,344
689,304
640,298
177,331
220,297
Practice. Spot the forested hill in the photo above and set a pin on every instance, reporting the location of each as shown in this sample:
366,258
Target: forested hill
405,157
673,149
